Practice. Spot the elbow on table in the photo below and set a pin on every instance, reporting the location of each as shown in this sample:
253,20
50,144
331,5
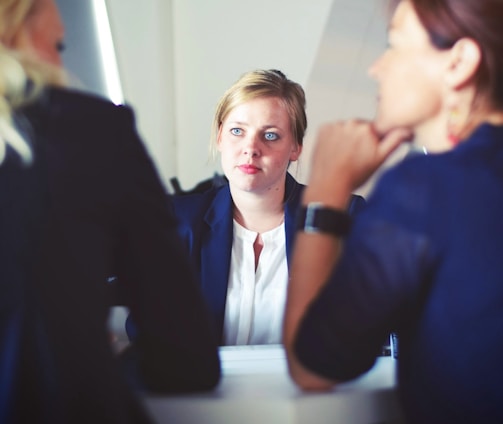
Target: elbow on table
162,370
208,380
309,381
195,379
204,373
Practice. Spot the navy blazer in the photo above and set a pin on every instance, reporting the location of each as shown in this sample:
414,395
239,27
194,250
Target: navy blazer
205,225
90,206
424,260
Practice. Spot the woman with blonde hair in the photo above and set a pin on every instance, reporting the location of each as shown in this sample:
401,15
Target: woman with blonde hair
239,235
20,63
80,201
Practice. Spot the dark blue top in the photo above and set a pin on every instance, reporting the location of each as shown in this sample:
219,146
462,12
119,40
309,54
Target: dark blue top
90,206
424,259
206,229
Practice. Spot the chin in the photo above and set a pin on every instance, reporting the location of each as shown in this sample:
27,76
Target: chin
382,127
244,185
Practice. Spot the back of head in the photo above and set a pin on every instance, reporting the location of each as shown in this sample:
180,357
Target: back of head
18,65
448,21
13,13
264,83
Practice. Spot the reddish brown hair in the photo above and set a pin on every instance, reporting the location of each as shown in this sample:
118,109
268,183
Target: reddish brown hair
447,21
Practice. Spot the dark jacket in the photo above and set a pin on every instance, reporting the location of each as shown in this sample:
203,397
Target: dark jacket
89,207
424,260
206,229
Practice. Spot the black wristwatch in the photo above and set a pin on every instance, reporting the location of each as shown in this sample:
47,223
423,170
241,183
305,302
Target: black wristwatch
318,218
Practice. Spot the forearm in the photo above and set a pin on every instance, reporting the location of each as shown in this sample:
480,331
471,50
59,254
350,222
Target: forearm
314,257
310,269
345,155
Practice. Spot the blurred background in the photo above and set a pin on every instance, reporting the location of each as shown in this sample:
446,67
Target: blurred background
171,60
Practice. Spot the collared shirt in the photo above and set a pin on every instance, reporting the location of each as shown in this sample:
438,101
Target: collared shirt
256,298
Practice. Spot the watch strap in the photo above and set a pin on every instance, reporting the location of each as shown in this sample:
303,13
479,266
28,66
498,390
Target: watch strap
318,218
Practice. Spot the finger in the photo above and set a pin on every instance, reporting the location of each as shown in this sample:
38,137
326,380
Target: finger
390,142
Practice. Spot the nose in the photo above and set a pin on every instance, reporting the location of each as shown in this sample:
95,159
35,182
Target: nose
252,145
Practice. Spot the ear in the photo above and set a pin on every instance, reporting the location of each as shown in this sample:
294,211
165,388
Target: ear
464,61
296,151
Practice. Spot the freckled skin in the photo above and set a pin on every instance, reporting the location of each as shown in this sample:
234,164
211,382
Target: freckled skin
257,133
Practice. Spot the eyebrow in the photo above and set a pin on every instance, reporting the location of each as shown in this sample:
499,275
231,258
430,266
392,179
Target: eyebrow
237,123
266,126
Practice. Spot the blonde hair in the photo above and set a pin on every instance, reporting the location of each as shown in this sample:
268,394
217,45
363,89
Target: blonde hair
17,67
258,84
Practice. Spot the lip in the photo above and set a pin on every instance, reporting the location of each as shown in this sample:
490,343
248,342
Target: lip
249,169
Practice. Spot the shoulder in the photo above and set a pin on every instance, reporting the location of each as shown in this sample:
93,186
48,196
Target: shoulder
67,105
417,172
80,99
197,200
422,179
192,207
407,192
293,190
73,119
293,194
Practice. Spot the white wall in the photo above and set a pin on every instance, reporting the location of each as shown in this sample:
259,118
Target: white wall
215,42
339,86
177,57
142,32
81,56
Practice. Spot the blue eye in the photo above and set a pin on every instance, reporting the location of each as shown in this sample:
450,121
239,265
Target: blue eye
236,131
271,136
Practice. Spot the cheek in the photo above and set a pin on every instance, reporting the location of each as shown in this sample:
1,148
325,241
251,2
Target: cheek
281,161
45,49
226,155
412,94
227,147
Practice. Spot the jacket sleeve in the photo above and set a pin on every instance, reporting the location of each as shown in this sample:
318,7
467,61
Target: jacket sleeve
356,204
175,344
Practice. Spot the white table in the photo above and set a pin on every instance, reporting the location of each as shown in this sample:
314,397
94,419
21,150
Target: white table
256,389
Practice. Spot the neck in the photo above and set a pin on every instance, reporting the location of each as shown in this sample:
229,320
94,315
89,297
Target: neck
475,119
495,118
259,213
432,135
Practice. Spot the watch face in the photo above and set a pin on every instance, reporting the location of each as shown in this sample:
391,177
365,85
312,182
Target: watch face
317,218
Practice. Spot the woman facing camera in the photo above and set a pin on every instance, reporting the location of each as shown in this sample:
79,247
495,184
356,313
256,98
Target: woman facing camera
80,201
423,259
239,236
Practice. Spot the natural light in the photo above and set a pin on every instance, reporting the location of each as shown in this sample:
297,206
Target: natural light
107,52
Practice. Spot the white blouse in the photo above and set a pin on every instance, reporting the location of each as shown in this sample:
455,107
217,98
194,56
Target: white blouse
256,300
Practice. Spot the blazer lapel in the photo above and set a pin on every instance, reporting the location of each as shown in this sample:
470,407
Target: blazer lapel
216,247
293,191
